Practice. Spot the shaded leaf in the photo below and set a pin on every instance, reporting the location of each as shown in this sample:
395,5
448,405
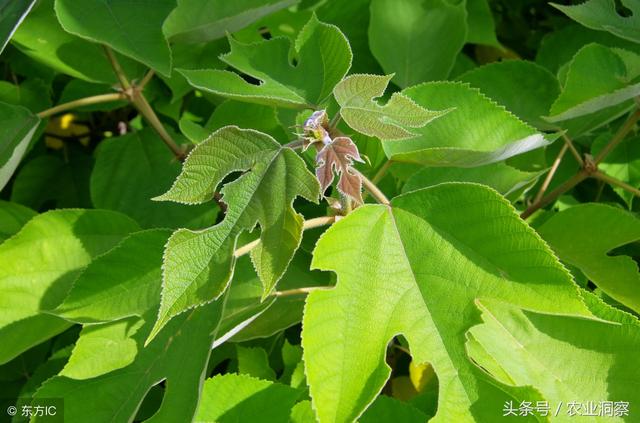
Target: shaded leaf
17,126
338,156
597,78
622,163
584,235
13,217
195,21
54,246
238,398
602,15
323,58
415,269
118,24
480,25
198,265
417,40
11,15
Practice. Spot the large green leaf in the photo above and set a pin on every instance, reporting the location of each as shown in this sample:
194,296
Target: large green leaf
41,37
12,14
323,58
123,282
132,169
131,28
415,268
584,235
395,120
476,132
234,398
178,357
499,176
195,21
13,217
53,247
198,265
511,81
603,15
17,126
598,77
568,359
417,40
481,28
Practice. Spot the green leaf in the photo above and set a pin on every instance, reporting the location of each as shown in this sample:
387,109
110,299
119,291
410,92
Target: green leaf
42,38
238,398
323,58
13,217
417,40
550,352
511,81
11,16
54,247
386,409
17,126
178,357
255,116
50,180
195,21
481,28
32,94
622,163
415,269
499,176
597,78
198,265
356,96
133,29
254,361
476,132
123,282
603,16
132,169
583,236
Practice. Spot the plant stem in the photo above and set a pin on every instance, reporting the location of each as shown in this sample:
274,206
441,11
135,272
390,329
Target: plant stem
552,171
619,136
613,181
294,144
124,82
566,186
335,120
308,224
299,291
373,189
382,171
96,99
573,149
145,80
143,106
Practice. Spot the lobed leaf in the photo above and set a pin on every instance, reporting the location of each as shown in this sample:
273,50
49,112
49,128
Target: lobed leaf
338,155
415,269
356,96
323,58
602,15
199,264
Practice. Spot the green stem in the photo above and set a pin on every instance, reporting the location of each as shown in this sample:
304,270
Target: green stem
619,136
96,99
373,190
566,186
552,171
299,291
122,78
613,181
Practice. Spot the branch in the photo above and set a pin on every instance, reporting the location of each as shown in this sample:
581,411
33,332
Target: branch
300,291
566,186
373,189
143,106
619,136
96,99
574,151
613,181
124,82
308,224
145,80
552,172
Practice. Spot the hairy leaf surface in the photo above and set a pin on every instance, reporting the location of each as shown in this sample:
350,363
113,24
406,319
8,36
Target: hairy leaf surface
415,269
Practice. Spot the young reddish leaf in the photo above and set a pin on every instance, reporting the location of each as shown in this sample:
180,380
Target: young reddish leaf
339,155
